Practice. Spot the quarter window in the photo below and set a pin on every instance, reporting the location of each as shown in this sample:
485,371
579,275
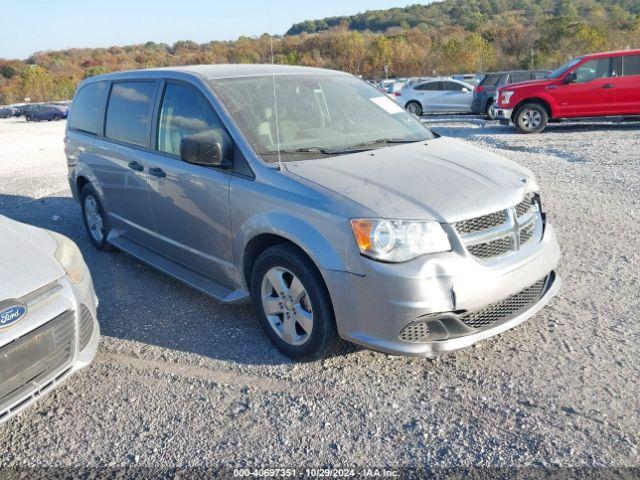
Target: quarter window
631,65
593,69
429,86
129,112
88,108
187,113
519,77
452,86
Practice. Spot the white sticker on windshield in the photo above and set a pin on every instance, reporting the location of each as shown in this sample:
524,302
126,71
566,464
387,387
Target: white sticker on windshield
387,105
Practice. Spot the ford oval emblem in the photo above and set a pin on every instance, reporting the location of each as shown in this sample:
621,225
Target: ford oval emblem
12,315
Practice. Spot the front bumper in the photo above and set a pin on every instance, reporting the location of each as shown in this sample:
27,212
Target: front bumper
59,299
372,309
503,114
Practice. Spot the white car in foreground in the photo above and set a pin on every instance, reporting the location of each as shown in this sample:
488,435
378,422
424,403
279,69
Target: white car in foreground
48,323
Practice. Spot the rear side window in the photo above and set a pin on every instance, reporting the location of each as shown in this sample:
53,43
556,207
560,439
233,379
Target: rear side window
519,77
429,86
452,86
490,80
186,113
631,65
87,109
129,112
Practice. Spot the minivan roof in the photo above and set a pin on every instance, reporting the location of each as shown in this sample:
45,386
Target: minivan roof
210,72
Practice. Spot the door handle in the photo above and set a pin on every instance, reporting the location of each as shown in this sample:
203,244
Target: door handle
157,172
608,85
136,166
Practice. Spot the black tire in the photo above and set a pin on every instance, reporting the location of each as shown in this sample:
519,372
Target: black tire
531,118
100,243
56,117
414,107
487,110
324,336
27,118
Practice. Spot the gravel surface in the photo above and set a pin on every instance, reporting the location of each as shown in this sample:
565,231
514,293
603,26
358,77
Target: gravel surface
182,381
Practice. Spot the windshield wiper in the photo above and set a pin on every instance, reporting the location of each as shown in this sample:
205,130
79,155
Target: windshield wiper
325,151
362,147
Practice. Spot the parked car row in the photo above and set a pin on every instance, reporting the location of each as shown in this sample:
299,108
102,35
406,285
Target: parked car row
37,112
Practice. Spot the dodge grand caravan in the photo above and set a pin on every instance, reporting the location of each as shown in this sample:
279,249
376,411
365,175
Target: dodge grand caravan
316,196
598,85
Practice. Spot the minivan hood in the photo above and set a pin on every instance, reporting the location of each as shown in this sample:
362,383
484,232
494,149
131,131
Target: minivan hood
26,259
443,179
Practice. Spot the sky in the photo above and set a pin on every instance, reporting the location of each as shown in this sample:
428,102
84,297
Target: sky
29,26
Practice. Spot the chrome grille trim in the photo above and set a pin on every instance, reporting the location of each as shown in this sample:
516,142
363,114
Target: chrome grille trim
481,223
57,337
41,294
507,308
500,233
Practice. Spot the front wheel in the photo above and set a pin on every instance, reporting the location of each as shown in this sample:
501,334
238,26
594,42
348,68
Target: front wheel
414,108
27,118
293,304
531,118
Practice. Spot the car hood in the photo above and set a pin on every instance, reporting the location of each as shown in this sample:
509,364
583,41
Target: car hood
441,179
26,259
530,83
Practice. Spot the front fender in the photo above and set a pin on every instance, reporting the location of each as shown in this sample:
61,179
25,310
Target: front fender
540,97
324,244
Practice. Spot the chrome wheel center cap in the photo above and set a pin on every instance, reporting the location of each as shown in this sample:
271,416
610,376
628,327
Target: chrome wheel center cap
288,304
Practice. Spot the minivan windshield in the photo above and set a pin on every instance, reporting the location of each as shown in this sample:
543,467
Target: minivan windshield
558,72
317,115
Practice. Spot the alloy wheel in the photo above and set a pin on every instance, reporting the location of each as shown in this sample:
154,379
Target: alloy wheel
287,306
94,218
531,119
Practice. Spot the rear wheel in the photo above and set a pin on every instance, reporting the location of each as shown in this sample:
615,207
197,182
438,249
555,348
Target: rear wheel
293,304
27,118
56,117
95,220
414,108
531,118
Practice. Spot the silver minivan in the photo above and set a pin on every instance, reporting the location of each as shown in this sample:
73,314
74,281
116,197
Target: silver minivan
308,191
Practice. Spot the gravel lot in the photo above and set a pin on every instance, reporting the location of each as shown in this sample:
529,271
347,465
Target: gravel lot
181,381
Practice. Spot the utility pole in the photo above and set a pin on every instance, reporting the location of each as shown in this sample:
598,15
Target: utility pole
531,66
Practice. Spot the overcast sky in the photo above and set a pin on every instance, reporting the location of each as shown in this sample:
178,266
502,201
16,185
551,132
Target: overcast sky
29,26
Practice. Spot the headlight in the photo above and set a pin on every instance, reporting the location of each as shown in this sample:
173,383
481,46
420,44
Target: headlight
69,257
506,96
398,240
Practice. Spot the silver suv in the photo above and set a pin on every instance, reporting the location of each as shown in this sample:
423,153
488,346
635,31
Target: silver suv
316,196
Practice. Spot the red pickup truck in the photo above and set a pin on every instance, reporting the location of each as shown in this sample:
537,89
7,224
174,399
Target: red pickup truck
598,85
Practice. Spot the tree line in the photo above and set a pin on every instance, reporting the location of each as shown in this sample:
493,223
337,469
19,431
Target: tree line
453,36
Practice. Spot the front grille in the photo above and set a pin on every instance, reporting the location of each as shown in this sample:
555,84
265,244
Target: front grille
415,332
86,326
500,232
491,249
31,360
482,223
506,308
527,232
525,205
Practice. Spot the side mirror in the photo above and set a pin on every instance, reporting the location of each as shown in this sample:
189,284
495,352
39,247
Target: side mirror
205,152
466,90
570,78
